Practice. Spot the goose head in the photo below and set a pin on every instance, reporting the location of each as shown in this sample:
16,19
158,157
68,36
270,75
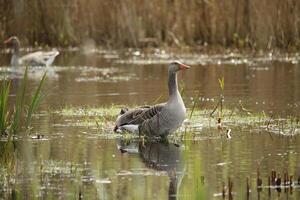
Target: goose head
14,41
177,66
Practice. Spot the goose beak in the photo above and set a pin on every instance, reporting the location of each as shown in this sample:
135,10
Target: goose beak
7,41
183,66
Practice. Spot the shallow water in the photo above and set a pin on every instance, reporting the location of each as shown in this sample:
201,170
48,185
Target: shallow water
74,161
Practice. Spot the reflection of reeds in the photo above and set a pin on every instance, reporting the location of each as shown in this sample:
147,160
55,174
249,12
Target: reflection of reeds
254,24
275,183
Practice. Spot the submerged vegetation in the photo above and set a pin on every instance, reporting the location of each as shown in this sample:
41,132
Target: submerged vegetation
141,23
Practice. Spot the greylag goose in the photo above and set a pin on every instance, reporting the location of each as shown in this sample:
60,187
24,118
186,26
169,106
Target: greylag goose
158,120
38,58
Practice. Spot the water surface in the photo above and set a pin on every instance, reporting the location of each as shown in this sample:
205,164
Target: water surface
73,161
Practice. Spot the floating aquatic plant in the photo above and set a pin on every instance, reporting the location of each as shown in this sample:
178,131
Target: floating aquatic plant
102,120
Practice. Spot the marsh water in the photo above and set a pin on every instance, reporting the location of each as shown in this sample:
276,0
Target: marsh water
74,161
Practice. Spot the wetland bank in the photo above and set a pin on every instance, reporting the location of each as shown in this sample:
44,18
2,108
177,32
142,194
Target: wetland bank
72,152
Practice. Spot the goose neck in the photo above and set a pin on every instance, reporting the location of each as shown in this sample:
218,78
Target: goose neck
16,48
172,83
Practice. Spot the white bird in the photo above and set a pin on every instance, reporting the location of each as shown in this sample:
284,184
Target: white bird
38,58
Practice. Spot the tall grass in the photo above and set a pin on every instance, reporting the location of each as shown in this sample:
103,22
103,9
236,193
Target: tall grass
11,121
19,105
231,23
35,102
4,106
222,87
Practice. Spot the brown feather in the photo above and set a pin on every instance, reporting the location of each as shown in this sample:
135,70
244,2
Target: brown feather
139,115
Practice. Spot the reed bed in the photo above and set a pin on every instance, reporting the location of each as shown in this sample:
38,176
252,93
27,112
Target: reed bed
256,24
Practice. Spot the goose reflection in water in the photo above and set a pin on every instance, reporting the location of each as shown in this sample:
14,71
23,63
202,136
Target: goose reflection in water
159,156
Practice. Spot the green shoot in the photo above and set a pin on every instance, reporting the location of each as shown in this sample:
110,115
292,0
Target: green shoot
36,100
19,104
222,84
4,106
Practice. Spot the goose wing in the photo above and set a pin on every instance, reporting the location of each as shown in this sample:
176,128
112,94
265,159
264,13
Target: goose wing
147,113
39,58
138,116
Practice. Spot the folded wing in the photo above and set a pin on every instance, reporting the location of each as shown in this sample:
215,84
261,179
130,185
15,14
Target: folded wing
138,116
39,58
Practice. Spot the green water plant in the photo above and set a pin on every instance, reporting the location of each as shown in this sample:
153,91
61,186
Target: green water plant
222,86
4,106
11,116
35,102
220,103
19,104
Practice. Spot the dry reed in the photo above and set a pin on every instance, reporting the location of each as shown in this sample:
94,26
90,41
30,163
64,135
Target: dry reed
259,24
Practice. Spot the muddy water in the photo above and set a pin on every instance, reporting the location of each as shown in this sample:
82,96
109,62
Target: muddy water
75,162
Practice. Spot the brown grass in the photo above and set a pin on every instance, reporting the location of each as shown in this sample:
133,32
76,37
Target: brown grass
262,24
